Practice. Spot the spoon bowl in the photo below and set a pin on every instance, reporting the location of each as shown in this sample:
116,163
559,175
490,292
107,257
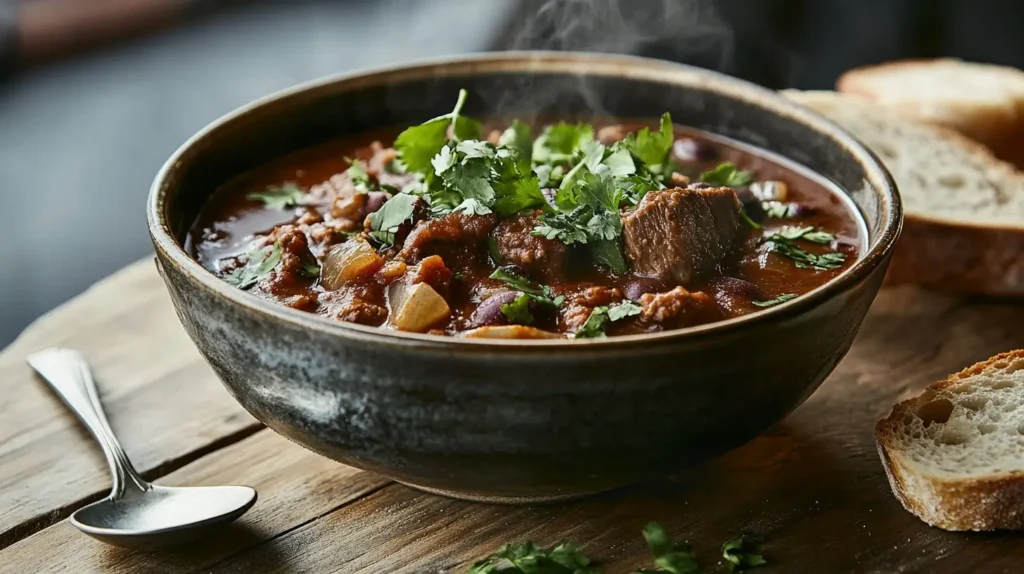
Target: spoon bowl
137,514
163,515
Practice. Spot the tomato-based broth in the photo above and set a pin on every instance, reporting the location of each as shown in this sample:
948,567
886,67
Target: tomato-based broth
578,232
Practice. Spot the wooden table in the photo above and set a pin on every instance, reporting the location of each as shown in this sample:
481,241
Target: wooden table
812,487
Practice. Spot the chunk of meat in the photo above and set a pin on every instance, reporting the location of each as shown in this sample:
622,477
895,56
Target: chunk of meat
611,134
680,234
291,275
454,237
578,306
433,272
352,305
535,256
679,308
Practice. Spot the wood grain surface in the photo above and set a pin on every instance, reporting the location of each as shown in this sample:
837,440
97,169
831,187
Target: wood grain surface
812,486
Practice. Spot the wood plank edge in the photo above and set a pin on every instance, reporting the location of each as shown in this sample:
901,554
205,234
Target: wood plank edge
48,519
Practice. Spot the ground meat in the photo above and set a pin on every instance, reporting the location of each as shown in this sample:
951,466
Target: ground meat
537,257
291,275
350,207
380,166
678,235
454,237
678,308
578,306
338,185
352,305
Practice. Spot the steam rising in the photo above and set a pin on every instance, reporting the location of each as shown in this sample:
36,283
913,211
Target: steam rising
689,31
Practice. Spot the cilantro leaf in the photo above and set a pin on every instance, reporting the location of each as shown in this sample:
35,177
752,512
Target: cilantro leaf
608,252
560,142
279,198
726,175
653,147
802,258
600,317
518,195
470,180
625,309
259,263
518,311
528,558
776,301
418,145
518,137
620,163
746,219
599,193
357,173
541,293
734,552
670,557
310,270
565,227
781,210
384,222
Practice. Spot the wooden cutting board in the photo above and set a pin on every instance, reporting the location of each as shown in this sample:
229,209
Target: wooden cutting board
812,487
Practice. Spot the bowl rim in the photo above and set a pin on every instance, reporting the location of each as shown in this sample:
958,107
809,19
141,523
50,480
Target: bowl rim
878,180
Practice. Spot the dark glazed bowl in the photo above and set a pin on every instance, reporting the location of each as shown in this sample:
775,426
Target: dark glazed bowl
517,421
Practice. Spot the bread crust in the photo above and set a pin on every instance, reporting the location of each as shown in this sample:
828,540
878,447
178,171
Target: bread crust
999,125
987,503
946,254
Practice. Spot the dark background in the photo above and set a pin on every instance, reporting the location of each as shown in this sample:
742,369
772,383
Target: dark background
82,136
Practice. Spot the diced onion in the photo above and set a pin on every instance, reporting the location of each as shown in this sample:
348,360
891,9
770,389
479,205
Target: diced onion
509,332
415,307
348,262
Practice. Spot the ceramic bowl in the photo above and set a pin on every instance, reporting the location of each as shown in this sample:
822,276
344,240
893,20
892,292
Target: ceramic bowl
517,421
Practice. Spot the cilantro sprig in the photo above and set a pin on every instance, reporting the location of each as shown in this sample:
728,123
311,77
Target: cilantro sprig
727,175
783,242
258,264
540,293
776,300
418,145
601,317
279,198
518,310
385,222
737,553
528,558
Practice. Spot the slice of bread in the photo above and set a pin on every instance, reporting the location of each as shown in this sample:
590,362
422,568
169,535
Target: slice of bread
981,101
955,453
964,209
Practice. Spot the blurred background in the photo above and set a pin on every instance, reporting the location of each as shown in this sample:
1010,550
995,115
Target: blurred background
96,94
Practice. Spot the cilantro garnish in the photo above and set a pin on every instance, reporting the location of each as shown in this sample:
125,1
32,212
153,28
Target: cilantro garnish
540,293
776,301
310,270
783,243
558,143
384,222
780,210
418,145
519,138
600,317
746,219
653,147
279,198
670,557
528,558
726,175
734,552
518,311
259,263
357,173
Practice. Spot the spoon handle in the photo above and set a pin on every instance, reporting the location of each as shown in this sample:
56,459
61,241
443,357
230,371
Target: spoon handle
68,374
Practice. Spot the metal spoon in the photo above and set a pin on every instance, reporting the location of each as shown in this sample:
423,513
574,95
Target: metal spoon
137,514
